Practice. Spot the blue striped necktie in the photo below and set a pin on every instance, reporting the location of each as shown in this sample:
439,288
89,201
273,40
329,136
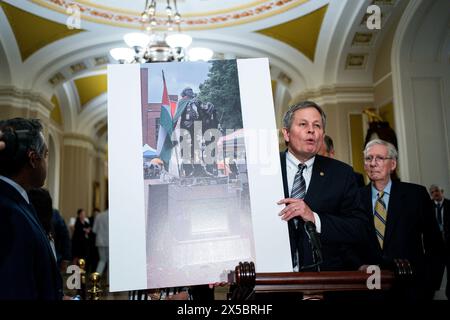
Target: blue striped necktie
299,185
298,191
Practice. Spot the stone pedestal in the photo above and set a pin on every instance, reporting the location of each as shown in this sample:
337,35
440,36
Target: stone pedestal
195,233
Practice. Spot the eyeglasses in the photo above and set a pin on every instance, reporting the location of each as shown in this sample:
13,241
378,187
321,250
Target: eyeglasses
378,159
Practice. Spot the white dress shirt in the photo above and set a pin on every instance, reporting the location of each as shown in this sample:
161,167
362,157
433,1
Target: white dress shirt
291,170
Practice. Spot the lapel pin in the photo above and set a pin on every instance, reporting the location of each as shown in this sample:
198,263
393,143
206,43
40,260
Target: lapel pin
322,174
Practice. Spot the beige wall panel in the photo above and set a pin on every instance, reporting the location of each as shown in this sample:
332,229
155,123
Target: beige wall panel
339,128
357,141
76,181
383,92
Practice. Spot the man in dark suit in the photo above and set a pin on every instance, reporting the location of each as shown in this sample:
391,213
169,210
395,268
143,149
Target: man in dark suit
403,225
28,268
62,241
319,190
442,212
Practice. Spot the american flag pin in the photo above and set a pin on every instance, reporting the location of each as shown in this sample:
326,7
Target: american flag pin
322,174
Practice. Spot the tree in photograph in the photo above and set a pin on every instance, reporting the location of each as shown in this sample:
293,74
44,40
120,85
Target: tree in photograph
222,89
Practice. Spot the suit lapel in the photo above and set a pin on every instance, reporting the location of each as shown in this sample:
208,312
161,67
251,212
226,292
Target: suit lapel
27,210
394,211
317,183
446,214
367,200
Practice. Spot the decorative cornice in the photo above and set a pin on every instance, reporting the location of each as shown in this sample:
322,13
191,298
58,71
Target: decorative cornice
78,140
337,94
82,141
191,21
20,98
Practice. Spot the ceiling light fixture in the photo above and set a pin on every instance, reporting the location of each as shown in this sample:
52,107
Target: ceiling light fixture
153,46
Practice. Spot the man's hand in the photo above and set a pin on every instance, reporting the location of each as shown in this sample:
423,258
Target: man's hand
296,208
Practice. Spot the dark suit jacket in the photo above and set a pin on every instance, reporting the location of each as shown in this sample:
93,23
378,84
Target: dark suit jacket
62,238
411,231
27,266
333,195
446,206
359,179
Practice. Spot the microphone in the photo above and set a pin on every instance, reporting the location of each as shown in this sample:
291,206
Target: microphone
315,240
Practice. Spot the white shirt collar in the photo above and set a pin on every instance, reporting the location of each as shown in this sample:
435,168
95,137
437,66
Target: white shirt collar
293,161
386,190
292,168
17,186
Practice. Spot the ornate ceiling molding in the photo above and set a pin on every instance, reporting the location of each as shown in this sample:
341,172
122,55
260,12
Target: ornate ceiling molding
301,33
33,32
79,140
20,98
337,94
250,12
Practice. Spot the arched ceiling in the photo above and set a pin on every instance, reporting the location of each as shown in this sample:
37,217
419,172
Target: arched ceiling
90,87
216,23
33,32
305,41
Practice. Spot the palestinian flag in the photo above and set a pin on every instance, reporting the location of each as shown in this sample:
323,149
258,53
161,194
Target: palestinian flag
170,113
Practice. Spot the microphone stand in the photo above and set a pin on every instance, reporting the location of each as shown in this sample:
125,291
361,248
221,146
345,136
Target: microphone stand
315,260
314,240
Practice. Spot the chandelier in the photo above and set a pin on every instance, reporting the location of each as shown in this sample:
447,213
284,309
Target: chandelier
161,39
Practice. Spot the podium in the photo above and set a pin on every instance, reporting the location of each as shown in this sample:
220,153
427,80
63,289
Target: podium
312,285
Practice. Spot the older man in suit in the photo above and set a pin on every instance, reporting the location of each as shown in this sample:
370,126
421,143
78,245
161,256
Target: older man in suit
403,225
28,268
320,192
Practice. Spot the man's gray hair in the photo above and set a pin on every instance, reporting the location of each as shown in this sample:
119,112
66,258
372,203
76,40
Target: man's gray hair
435,186
289,115
27,135
392,151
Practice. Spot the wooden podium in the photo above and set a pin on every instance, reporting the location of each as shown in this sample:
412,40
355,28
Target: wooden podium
248,284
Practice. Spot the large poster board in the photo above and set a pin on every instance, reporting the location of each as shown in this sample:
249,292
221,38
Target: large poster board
194,173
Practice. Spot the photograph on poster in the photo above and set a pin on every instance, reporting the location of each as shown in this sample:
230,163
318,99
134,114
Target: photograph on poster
198,215
194,173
